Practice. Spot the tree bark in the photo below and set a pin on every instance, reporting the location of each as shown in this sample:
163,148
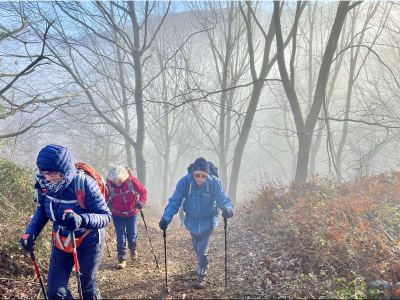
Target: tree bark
244,134
305,130
137,66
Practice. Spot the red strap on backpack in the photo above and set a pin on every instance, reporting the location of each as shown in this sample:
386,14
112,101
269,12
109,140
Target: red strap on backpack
89,170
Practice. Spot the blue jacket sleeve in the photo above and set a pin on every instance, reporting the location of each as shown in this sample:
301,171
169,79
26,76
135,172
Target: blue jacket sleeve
220,197
176,200
39,219
99,215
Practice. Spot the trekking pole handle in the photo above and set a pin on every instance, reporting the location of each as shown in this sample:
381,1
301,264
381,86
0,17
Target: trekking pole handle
25,237
66,213
225,223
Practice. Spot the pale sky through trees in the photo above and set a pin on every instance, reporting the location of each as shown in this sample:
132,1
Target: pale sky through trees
212,83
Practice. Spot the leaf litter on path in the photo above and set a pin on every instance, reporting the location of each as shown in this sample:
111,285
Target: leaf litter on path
249,276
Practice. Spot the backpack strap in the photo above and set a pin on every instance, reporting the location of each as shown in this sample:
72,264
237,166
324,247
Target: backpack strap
55,200
112,193
186,196
80,188
131,189
80,185
110,199
188,193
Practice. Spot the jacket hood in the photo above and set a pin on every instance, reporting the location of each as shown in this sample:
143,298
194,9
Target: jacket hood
55,158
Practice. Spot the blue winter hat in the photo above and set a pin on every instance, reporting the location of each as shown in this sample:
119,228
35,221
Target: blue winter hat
55,158
201,164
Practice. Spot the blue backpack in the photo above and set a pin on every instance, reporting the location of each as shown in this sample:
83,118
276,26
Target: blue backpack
213,169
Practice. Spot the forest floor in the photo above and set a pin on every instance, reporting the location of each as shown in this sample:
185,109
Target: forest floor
253,260
247,265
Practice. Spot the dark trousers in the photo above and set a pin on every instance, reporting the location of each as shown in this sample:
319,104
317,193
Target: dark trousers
201,243
61,263
126,229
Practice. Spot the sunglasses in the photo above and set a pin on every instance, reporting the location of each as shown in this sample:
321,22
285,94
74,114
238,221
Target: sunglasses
200,175
50,174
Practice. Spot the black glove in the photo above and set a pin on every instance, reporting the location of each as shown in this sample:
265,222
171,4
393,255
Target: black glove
163,223
28,242
226,212
72,221
139,205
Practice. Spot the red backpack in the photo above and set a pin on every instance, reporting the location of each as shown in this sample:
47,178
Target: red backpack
80,182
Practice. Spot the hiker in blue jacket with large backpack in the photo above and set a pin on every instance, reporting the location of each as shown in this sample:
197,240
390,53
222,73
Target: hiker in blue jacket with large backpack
203,196
56,184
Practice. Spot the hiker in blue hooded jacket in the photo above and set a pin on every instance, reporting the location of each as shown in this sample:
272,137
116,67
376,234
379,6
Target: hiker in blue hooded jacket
56,193
204,196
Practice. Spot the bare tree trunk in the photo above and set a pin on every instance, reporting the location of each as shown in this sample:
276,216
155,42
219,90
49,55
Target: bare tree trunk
314,150
129,156
352,78
305,129
257,88
128,150
140,136
167,141
244,134
228,49
137,66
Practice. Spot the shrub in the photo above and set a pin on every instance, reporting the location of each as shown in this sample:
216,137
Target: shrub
346,231
16,210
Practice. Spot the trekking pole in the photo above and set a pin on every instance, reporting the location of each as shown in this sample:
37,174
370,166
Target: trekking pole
109,255
36,268
165,256
226,254
77,273
155,257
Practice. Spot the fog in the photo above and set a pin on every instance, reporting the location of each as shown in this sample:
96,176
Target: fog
204,79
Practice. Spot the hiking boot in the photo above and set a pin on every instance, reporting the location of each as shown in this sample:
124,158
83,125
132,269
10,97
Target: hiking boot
201,280
134,255
121,265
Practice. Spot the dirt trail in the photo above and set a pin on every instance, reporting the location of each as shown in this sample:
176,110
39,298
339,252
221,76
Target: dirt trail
257,268
142,280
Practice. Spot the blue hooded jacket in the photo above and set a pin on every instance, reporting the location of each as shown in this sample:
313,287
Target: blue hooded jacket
201,204
54,158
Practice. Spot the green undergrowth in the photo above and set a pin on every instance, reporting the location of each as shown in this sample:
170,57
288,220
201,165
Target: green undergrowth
17,207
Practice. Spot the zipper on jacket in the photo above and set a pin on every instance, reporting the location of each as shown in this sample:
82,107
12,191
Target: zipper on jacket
198,206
